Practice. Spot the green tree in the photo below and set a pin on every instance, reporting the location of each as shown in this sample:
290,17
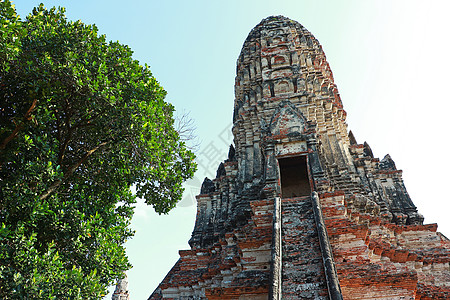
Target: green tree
81,122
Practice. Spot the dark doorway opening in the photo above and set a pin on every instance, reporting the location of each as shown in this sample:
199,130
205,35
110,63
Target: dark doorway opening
294,177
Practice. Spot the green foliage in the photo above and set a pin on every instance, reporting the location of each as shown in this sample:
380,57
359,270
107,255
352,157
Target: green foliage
81,122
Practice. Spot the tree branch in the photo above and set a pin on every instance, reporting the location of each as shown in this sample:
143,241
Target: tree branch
63,147
70,171
19,127
185,127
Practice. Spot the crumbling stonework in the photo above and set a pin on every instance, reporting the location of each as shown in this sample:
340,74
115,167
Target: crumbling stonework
300,210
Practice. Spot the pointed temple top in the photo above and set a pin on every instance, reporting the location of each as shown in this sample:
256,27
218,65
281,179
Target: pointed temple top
281,60
121,291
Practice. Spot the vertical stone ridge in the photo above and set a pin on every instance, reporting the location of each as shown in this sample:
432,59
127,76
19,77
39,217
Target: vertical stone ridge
275,291
334,289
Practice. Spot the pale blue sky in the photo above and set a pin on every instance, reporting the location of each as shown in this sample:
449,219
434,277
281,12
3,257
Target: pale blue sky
389,60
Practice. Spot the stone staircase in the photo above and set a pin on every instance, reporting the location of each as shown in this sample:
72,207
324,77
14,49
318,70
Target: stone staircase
303,274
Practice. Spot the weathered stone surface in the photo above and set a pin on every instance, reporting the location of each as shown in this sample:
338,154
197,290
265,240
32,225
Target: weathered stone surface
302,273
361,238
376,259
121,291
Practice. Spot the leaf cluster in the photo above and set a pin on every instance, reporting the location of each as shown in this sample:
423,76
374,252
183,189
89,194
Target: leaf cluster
81,122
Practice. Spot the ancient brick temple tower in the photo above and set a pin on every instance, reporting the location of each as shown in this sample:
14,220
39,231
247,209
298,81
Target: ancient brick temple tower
300,210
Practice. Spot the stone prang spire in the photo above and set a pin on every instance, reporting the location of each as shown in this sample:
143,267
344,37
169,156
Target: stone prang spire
300,210
121,291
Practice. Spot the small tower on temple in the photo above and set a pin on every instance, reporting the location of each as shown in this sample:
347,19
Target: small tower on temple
121,291
300,210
